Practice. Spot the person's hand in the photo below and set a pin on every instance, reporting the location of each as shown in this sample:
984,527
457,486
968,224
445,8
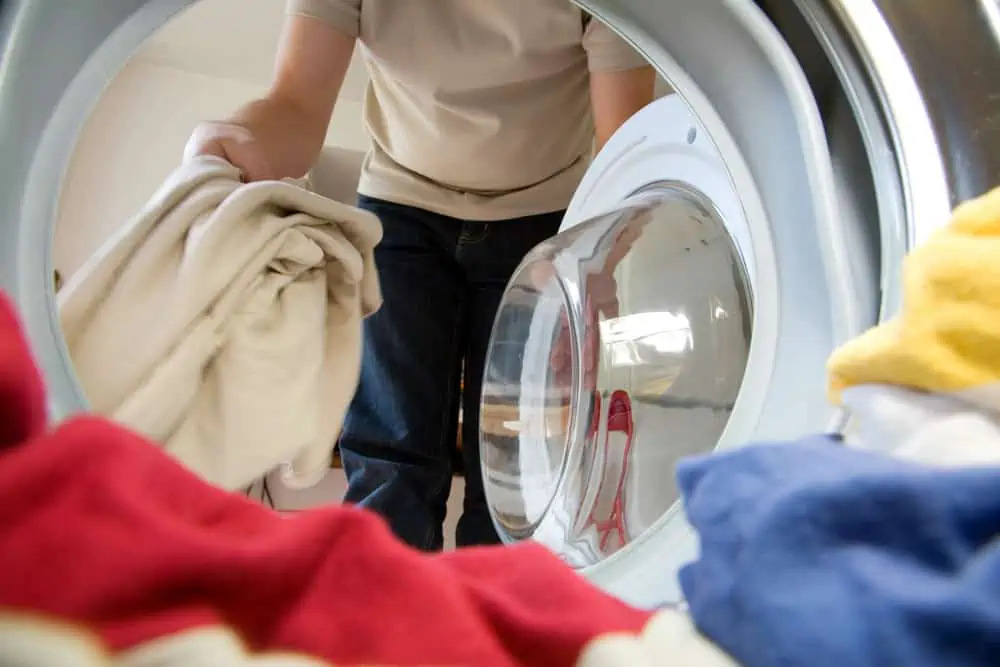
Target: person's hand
233,143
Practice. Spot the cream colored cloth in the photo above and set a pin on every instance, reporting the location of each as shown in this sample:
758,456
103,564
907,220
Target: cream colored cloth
224,321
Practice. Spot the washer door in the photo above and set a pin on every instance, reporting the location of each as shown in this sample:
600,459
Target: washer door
831,128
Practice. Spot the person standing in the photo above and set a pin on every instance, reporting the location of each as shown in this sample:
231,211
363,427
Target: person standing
483,116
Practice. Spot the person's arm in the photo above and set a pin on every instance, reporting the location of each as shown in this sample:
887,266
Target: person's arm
621,80
616,97
283,132
291,121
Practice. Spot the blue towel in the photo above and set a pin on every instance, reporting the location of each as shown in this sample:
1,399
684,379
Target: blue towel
817,555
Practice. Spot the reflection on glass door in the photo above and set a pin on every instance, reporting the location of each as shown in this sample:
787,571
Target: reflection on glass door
620,347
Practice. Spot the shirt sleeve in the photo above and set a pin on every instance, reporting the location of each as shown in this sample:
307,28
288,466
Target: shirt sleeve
344,15
606,51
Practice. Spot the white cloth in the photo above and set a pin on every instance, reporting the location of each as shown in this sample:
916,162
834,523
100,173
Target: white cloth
930,428
224,321
668,640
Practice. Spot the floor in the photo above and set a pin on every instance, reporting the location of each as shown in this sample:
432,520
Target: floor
331,490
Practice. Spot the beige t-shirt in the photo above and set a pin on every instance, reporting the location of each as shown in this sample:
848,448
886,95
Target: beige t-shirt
477,109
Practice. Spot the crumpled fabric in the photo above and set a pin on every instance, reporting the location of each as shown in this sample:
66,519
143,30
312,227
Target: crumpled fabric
818,555
224,322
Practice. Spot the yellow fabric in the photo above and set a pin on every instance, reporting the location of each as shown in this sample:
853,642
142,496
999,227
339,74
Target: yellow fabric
946,338
224,322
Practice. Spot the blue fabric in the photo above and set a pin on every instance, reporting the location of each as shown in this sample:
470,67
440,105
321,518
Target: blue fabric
442,281
815,555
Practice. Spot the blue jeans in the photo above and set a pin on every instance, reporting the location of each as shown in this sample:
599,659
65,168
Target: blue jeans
442,281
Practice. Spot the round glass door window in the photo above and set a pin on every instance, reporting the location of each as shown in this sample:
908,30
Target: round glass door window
619,348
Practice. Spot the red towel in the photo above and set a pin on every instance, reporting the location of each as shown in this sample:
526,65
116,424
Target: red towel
103,534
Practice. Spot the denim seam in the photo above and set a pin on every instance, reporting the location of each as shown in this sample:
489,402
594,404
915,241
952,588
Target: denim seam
446,418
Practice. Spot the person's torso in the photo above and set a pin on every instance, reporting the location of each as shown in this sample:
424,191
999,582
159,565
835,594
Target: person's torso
478,109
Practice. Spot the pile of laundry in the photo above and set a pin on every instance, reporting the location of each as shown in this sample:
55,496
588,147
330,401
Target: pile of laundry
879,550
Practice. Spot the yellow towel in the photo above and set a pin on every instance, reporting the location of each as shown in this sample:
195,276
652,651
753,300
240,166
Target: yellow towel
933,372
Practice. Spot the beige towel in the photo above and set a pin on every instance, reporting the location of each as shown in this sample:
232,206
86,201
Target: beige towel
224,321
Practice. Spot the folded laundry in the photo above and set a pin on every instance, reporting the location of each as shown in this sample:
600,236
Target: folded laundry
223,321
887,551
114,555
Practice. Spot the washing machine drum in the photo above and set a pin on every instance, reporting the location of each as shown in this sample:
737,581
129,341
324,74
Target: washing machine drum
723,242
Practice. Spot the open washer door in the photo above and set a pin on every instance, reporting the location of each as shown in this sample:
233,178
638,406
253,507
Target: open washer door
809,144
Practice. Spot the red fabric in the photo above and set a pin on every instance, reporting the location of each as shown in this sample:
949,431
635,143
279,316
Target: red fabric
22,396
100,528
